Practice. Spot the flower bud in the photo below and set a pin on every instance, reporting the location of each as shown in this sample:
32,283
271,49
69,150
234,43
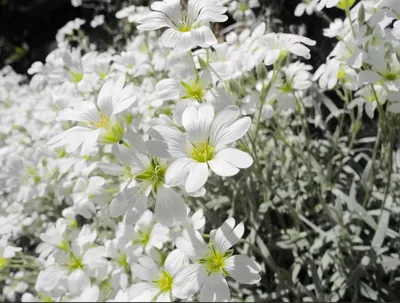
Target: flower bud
203,64
361,14
234,86
261,71
345,4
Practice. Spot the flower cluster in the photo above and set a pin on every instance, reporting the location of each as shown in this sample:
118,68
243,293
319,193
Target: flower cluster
115,162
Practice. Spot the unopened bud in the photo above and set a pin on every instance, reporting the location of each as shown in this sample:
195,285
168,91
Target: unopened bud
203,64
261,71
234,86
345,4
361,14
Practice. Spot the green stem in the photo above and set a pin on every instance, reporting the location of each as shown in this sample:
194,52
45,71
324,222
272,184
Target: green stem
264,94
390,166
372,174
348,15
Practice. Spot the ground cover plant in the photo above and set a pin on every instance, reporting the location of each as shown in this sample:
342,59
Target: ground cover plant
199,153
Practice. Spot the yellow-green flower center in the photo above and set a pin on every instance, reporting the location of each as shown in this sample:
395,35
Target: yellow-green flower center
103,75
61,153
76,263
193,90
64,245
34,174
127,173
164,283
203,152
144,238
47,299
103,122
3,263
76,76
243,7
154,174
114,130
286,88
341,74
391,76
215,260
122,260
73,224
184,26
283,54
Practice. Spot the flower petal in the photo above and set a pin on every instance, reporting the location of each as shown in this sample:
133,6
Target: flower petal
174,262
236,157
228,235
192,244
197,122
222,168
78,280
234,132
197,177
188,281
170,208
204,36
119,205
243,269
177,171
215,289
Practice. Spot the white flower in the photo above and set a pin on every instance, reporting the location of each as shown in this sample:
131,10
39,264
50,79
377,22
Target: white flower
149,172
250,103
159,282
225,60
186,30
6,251
385,67
133,13
89,294
273,47
55,235
336,28
123,253
193,88
86,193
203,145
18,286
78,70
147,233
343,4
132,63
102,119
367,96
241,10
329,73
97,20
396,30
213,262
293,78
125,12
77,261
196,222
306,6
326,3
76,3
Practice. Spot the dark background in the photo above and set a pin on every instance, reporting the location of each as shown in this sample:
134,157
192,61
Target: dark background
28,27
